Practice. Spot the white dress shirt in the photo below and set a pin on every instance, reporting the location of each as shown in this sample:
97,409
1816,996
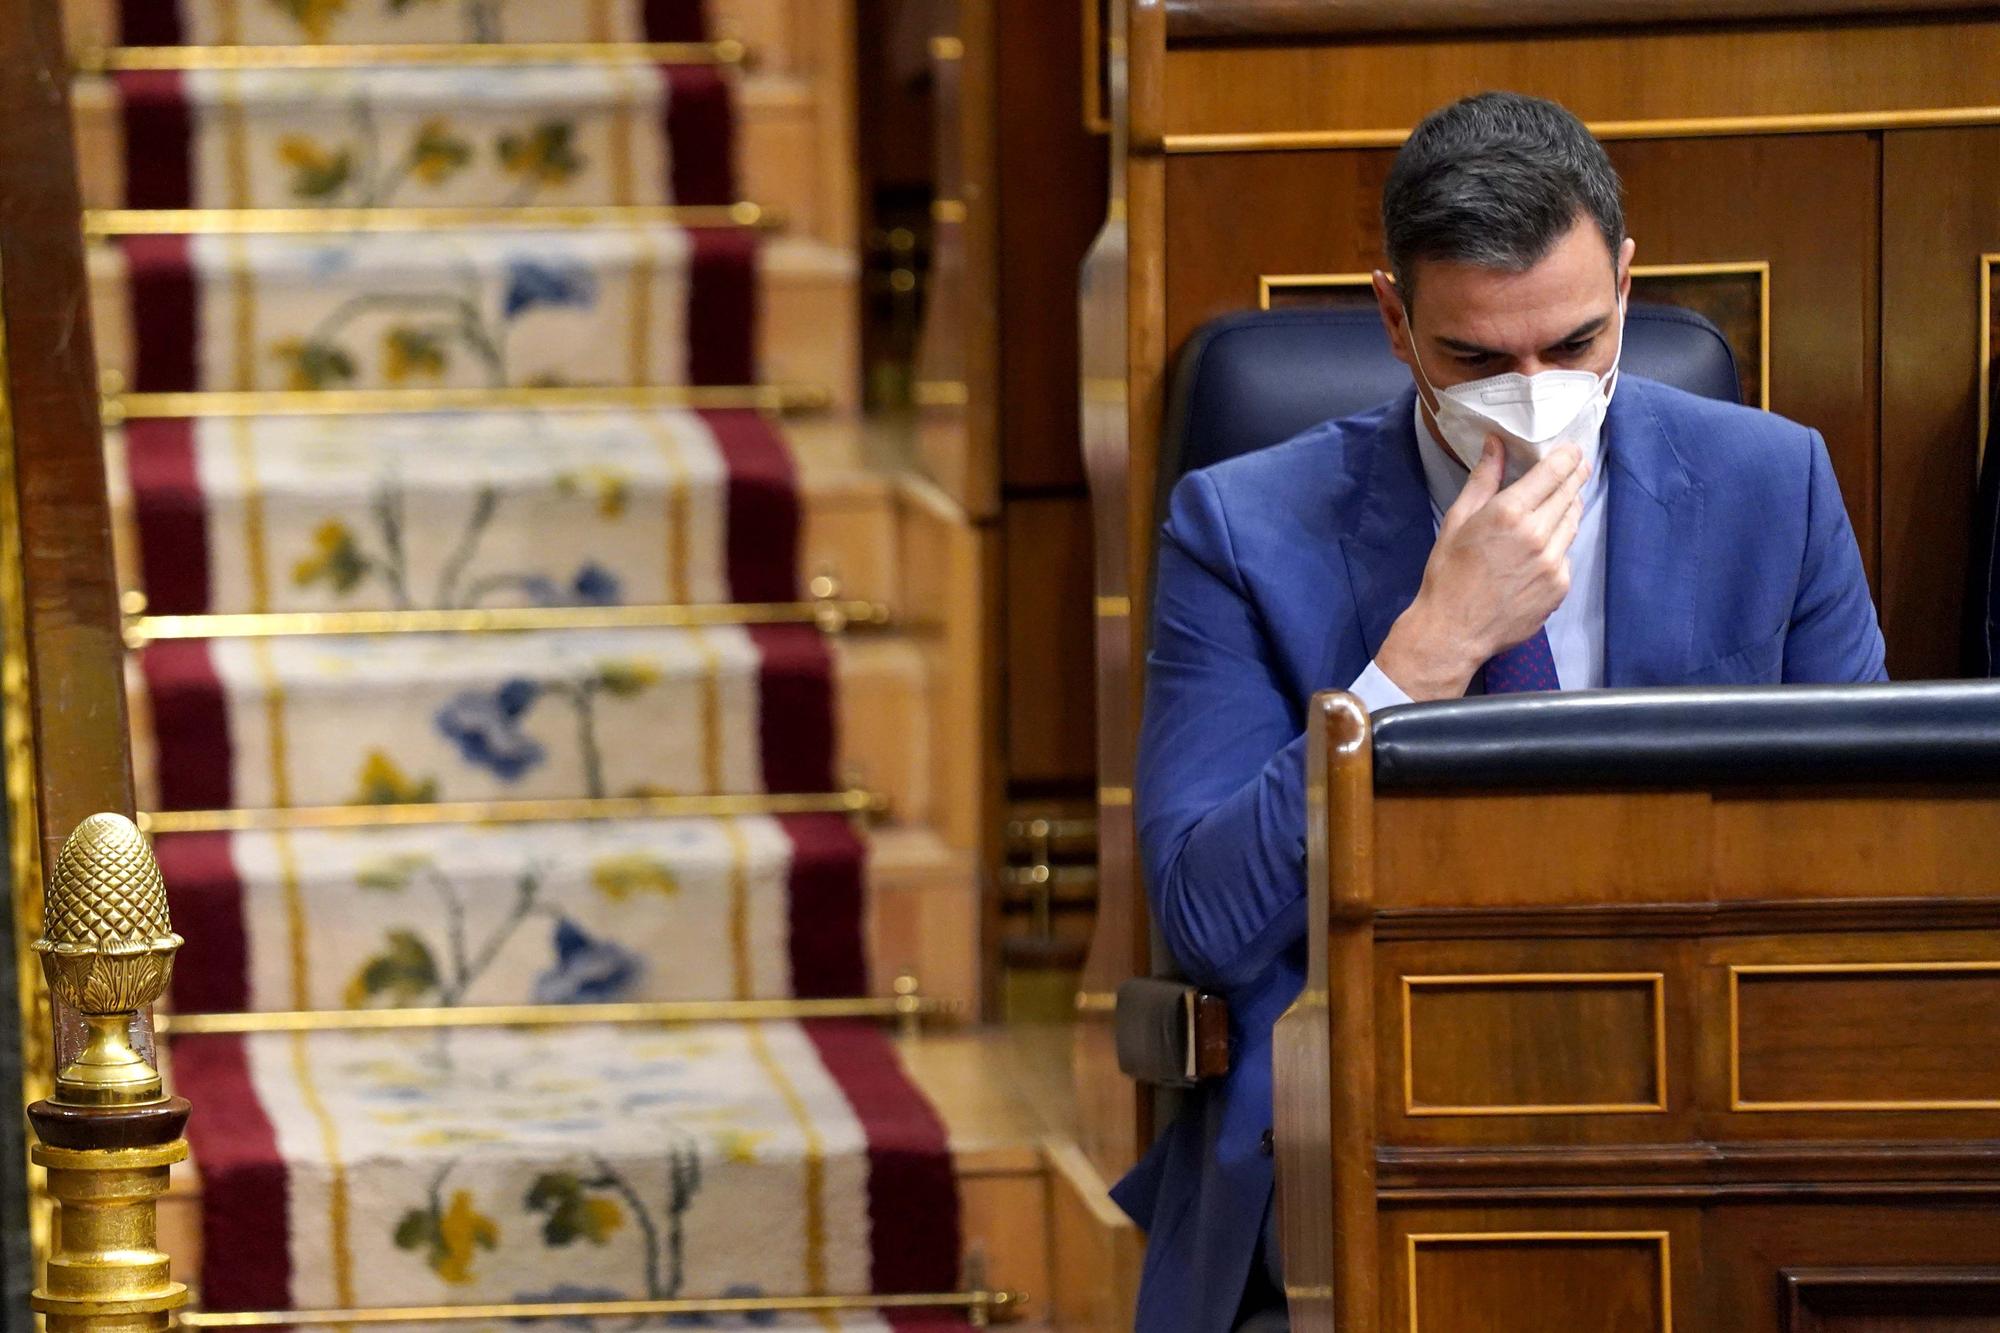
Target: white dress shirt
1576,627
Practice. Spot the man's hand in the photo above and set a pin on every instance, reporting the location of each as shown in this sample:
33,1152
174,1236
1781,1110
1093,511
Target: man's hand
1500,566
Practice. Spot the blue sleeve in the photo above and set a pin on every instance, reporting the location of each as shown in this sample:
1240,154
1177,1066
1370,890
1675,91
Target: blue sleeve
1221,777
1833,637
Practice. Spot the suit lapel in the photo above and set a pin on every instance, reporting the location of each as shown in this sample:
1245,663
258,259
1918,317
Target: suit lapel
1389,537
1653,552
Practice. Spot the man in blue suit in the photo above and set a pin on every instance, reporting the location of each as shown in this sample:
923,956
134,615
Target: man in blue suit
1523,518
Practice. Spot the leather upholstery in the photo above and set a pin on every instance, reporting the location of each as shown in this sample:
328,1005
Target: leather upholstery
1250,380
1696,737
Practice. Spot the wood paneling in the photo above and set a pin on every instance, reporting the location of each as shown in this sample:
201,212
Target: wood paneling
1052,178
1673,75
1533,1044
1050,685
1529,1282
1892,1300
1813,1035
1945,214
1195,20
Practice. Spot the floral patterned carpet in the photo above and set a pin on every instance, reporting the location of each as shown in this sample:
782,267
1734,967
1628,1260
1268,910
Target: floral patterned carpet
474,1166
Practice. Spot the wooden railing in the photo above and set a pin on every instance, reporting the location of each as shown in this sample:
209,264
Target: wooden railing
105,1127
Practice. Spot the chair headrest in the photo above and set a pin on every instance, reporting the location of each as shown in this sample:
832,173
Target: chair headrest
1251,380
1695,737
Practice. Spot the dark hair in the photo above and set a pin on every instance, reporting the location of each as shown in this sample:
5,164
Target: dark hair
1496,180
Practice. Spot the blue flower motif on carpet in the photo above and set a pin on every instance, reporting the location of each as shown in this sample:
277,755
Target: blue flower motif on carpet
587,969
542,282
485,725
568,1293
748,1319
594,585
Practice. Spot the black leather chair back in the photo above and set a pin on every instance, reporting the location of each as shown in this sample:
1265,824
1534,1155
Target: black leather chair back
1252,380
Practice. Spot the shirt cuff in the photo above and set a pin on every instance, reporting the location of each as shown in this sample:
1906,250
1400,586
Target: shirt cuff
1376,691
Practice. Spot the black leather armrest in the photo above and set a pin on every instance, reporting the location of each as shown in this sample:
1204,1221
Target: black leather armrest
1169,1033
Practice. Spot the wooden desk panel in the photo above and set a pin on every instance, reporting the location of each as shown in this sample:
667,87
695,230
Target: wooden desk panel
1647,83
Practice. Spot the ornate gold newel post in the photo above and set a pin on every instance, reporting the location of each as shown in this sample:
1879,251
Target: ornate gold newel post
109,1133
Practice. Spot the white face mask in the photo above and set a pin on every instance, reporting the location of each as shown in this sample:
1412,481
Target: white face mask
1532,414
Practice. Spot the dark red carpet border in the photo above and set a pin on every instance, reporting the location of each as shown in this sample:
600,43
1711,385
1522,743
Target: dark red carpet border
913,1211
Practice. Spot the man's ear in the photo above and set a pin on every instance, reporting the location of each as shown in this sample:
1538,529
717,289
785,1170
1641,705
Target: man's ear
1625,252
1395,316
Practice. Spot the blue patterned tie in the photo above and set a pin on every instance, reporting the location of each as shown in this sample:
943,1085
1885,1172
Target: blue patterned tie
1523,668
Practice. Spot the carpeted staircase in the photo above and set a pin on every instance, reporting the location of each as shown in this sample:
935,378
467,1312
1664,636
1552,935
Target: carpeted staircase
648,798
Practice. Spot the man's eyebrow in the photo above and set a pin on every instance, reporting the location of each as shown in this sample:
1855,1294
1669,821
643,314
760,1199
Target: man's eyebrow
1590,328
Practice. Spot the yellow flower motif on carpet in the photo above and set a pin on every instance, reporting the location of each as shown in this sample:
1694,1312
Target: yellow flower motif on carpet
622,680
336,558
317,171
449,1236
740,1145
315,17
438,154
610,487
545,155
624,877
408,353
313,364
383,783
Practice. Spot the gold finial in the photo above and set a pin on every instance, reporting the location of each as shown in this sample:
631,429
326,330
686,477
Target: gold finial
108,950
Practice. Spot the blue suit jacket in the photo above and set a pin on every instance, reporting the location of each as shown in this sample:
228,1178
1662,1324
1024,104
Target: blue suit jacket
1730,560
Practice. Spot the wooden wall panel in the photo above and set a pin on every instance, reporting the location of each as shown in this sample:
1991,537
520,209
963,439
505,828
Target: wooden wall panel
1053,174
1943,214
1385,87
1808,205
1051,739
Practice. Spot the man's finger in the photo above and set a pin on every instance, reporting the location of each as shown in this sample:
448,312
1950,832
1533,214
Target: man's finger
1481,486
1565,493
1564,535
1542,480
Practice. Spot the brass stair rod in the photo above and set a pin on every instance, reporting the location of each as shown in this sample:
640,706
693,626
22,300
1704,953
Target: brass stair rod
109,1133
981,1307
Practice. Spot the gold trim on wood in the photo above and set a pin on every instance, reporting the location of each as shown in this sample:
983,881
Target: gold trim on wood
1114,796
674,1012
342,221
331,56
1663,1239
1739,970
947,47
851,802
1833,122
371,402
833,617
948,210
980,1305
1114,608
1268,284
1989,270
1658,982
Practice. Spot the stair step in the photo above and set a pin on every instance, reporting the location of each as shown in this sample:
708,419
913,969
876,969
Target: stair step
628,911
532,716
407,136
457,310
229,22
493,1165
1000,1094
